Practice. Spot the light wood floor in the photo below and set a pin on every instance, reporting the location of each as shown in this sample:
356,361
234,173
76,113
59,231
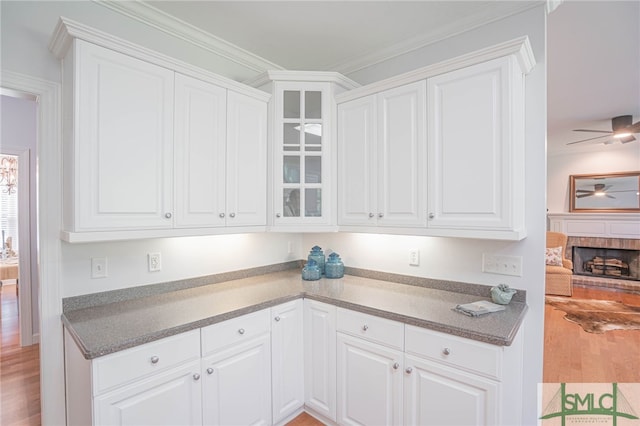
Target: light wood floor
571,355
19,368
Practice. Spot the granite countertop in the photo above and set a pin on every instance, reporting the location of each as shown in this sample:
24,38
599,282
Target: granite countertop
104,329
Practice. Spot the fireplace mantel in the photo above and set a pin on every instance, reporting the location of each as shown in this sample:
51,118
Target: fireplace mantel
604,225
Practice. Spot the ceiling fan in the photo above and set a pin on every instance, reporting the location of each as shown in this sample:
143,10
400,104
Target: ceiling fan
598,189
622,127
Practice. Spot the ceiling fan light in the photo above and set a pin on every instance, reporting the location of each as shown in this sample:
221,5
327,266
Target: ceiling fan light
622,135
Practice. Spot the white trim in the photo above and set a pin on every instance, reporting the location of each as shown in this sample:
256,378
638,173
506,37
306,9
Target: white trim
553,5
519,47
604,225
149,15
303,76
49,195
24,239
66,30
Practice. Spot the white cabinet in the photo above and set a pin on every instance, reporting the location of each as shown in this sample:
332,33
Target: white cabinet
476,147
287,359
237,371
320,358
119,132
381,156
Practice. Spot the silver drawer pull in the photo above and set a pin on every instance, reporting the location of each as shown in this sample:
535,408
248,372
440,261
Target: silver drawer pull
232,215
371,215
431,215
446,351
196,376
209,370
241,331
380,214
167,215
396,366
408,370
277,319
221,215
155,359
365,327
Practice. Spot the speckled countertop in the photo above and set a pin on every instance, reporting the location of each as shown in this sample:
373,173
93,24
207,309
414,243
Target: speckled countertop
108,328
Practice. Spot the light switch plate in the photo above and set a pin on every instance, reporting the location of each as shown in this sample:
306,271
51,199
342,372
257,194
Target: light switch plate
154,261
502,264
98,267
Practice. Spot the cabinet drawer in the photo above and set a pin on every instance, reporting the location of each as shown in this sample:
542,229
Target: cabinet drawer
370,327
235,330
470,355
130,364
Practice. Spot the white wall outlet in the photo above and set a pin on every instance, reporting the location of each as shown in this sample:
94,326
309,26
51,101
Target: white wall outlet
98,267
502,264
155,262
414,257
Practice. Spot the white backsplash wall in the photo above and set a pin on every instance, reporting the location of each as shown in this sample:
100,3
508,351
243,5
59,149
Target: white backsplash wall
186,257
450,259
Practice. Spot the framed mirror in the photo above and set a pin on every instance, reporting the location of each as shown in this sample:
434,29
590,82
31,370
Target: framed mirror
605,193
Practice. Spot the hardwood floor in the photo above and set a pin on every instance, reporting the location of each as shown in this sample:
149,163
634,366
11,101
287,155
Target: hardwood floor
571,355
19,368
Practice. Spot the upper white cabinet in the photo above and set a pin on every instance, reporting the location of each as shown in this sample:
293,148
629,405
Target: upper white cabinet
154,147
381,153
451,165
119,117
476,146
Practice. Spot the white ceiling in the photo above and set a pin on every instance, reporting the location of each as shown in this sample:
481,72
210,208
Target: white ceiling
593,46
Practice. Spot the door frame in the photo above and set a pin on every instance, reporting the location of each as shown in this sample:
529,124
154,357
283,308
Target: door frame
49,202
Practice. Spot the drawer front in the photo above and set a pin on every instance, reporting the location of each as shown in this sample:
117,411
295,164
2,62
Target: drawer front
470,355
131,364
372,328
235,330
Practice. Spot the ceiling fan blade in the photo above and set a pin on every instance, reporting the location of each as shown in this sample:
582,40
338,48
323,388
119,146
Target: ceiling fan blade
590,139
584,195
610,196
583,190
627,139
635,127
591,130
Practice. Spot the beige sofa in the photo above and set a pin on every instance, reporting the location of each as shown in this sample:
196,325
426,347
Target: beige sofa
558,278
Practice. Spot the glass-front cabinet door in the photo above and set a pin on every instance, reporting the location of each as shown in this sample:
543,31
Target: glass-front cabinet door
302,146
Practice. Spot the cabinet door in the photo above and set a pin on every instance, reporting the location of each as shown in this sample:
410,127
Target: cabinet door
475,133
199,152
357,159
123,141
246,161
171,398
369,383
439,396
320,357
287,359
237,384
402,148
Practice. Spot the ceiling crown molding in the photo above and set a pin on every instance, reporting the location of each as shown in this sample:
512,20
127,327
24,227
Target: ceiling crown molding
318,76
149,15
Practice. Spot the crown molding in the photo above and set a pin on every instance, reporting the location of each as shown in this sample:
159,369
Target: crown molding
453,29
553,5
306,76
520,48
149,15
67,30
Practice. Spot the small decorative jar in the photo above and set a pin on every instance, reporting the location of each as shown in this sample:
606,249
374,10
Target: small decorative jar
502,294
318,255
311,271
334,268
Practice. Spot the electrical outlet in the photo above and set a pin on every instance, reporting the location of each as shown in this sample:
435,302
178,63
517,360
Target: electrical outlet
414,257
98,267
155,262
502,264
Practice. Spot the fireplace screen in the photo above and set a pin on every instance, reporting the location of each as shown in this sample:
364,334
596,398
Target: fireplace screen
610,263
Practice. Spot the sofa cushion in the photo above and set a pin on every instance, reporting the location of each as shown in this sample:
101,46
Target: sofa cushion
553,256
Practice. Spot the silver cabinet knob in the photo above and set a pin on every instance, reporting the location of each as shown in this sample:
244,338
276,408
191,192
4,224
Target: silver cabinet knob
155,359
396,366
371,215
209,370
278,215
446,351
277,318
196,376
221,215
380,214
408,370
431,215
241,331
167,215
232,215
365,327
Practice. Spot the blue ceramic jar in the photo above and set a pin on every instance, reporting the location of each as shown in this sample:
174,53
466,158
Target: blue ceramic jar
317,255
334,268
311,271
